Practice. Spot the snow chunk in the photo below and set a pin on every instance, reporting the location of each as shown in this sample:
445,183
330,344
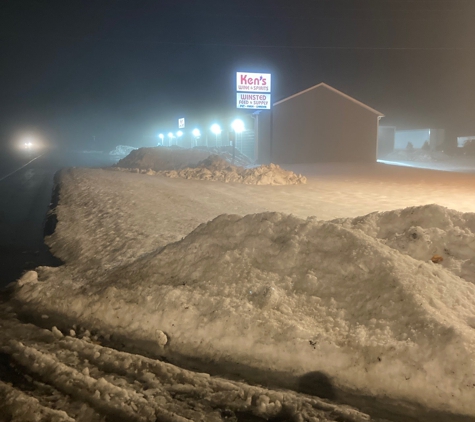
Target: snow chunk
162,338
56,332
28,277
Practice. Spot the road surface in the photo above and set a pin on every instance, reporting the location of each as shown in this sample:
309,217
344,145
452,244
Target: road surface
26,193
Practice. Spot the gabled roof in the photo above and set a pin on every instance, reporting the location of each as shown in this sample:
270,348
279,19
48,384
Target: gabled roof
334,90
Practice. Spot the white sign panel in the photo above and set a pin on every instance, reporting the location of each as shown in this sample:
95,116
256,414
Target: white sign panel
252,82
253,101
181,123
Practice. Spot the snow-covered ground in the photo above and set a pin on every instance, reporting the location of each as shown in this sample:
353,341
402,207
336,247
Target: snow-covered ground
220,277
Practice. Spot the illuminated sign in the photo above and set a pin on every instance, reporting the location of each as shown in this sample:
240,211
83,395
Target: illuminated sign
253,82
253,101
181,123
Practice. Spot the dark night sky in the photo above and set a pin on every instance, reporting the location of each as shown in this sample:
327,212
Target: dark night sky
124,70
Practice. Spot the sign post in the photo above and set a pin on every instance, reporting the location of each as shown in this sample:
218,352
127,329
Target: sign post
253,92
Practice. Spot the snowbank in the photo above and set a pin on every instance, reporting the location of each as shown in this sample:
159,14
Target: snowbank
226,152
425,232
176,158
216,168
162,158
122,150
359,300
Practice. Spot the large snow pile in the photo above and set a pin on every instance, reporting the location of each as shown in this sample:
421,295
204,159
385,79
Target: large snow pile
218,169
213,167
226,152
122,150
359,300
176,158
162,158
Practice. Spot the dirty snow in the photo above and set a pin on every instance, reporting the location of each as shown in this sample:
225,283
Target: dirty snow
75,378
175,158
217,169
268,294
301,296
170,163
122,150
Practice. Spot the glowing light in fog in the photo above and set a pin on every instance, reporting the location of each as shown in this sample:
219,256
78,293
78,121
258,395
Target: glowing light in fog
216,129
196,133
179,133
238,126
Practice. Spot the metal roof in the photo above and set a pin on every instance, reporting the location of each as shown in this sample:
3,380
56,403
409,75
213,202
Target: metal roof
322,84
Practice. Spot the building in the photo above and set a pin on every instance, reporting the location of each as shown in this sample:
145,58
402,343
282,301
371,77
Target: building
320,124
386,140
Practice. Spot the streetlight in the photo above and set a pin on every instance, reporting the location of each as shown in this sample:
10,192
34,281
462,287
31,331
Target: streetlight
216,129
179,134
161,138
238,127
170,137
196,134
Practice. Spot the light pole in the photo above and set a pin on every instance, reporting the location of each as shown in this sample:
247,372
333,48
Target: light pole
161,138
238,127
179,134
216,129
170,137
197,135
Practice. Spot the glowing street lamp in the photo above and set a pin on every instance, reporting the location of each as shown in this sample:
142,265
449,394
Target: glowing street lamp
238,126
179,134
170,137
216,129
196,134
161,138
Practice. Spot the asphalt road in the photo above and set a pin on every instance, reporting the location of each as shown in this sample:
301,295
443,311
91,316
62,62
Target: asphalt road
25,196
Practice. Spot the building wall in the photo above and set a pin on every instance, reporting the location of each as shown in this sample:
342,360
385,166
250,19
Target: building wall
323,126
263,136
386,137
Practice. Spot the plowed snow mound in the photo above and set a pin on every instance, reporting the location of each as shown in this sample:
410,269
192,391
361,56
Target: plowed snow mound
217,169
226,152
175,158
162,158
281,294
423,232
